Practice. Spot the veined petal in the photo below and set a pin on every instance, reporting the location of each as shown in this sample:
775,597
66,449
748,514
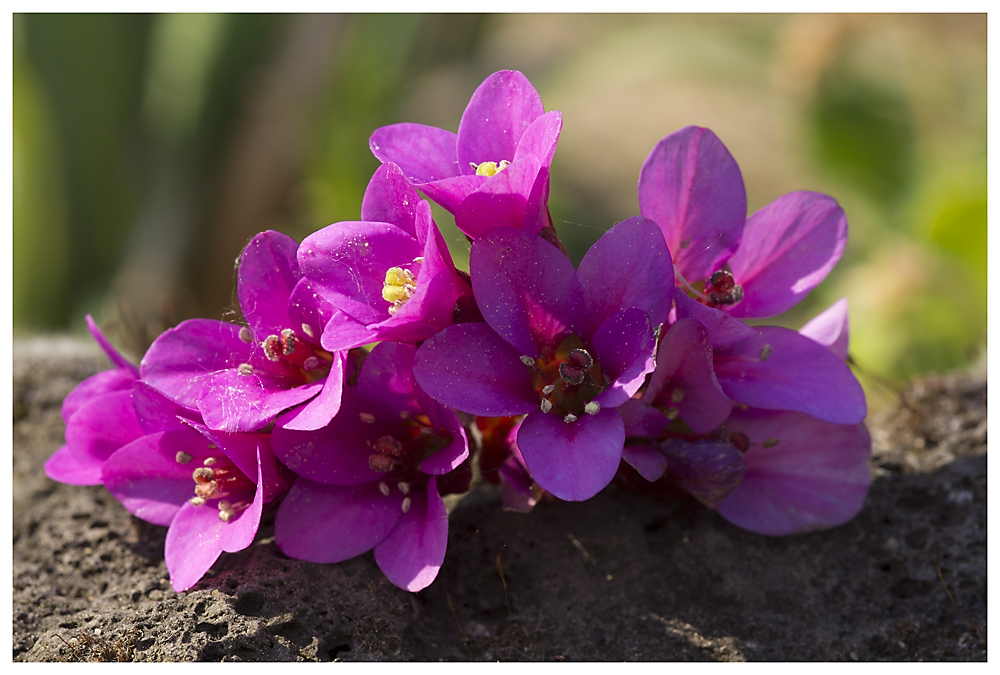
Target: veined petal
391,199
641,419
331,523
470,368
93,434
233,402
782,370
268,273
522,285
423,153
830,328
629,266
105,382
411,556
647,460
113,354
240,530
685,378
572,460
344,332
451,192
802,474
385,385
308,313
500,111
788,247
708,470
692,187
317,412
157,412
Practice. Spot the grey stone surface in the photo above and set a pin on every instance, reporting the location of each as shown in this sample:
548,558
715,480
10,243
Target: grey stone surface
620,577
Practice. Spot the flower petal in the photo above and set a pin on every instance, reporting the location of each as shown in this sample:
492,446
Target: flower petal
647,460
692,187
391,199
268,273
157,412
788,247
540,138
624,347
830,329
317,412
722,328
411,556
782,370
192,544
629,266
500,111
105,382
501,201
234,402
331,523
575,460
641,419
423,153
113,354
816,476
93,434
521,283
685,371
470,368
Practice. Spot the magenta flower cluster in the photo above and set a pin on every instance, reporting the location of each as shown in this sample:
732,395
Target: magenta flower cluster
637,364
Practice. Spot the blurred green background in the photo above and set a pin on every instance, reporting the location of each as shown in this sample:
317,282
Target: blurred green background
148,149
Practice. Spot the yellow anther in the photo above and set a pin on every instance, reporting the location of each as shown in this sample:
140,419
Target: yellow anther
490,168
399,287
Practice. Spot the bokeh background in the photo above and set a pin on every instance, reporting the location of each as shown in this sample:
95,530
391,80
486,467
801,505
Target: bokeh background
148,149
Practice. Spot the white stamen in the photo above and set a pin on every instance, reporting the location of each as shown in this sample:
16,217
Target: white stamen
307,329
548,389
245,369
404,487
226,510
419,259
183,457
527,360
209,461
310,363
367,418
196,501
546,405
671,413
677,395
404,414
246,335
384,489
592,408
765,352
570,418
406,504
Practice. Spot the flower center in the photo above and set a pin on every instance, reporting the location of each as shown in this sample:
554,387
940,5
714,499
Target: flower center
489,168
220,482
400,285
720,289
312,361
568,381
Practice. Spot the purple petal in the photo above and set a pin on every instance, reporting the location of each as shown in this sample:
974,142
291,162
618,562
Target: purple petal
692,187
386,383
113,354
240,531
539,139
575,460
451,456
345,332
521,284
830,329
391,199
815,476
515,487
423,153
501,201
308,312
628,267
709,470
192,544
536,211
411,556
105,382
647,460
331,523
470,368
500,111
641,419
318,412
346,264
268,273
624,347
685,371
336,454
782,370
240,448
722,328
451,192
235,402
157,412
146,477
98,428
788,247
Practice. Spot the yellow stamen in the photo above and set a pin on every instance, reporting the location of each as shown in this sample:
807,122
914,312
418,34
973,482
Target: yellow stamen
490,168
